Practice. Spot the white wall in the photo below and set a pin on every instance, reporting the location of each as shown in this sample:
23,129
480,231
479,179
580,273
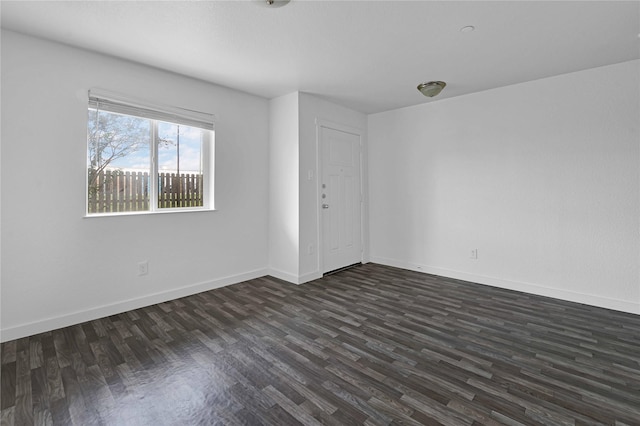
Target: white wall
59,268
542,178
284,223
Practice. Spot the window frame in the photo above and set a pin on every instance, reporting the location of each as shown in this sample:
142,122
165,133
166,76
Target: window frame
161,113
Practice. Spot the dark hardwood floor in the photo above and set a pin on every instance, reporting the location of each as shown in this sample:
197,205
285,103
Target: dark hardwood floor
370,345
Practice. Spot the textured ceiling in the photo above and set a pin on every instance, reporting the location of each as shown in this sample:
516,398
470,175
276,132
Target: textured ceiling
367,55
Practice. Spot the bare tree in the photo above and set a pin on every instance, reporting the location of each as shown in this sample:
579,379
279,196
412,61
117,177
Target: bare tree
111,137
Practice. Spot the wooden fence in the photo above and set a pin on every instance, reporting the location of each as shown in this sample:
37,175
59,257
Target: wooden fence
117,191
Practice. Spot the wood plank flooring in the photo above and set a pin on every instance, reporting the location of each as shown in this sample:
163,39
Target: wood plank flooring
371,345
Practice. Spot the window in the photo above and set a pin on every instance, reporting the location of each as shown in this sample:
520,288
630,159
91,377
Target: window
147,159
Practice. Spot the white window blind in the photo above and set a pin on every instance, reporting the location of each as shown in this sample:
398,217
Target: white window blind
102,100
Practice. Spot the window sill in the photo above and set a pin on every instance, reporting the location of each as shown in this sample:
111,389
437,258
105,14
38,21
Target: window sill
146,213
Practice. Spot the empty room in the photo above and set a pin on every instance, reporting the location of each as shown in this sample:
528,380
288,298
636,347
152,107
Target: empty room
299,212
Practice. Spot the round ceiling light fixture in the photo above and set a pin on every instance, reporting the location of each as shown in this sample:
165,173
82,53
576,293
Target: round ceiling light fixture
432,88
272,4
467,29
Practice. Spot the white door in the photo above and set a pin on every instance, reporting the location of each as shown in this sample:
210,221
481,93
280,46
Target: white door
341,199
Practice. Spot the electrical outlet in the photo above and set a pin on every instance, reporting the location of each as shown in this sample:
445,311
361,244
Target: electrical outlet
143,268
474,254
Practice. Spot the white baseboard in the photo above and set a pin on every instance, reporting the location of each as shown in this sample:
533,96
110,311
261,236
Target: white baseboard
285,276
309,277
292,278
632,307
66,320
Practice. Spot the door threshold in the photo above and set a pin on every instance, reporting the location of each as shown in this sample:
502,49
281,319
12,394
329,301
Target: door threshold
344,268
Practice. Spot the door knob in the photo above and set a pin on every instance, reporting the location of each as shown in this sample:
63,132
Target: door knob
325,206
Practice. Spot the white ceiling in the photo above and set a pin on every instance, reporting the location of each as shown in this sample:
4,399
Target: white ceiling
367,55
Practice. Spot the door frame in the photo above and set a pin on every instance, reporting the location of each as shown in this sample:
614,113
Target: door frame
321,123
